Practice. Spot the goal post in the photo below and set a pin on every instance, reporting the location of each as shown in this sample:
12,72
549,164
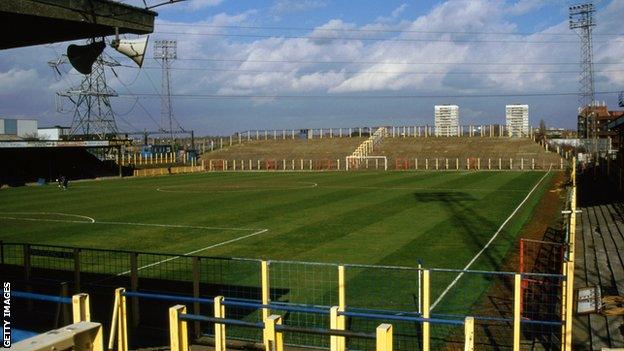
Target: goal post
356,162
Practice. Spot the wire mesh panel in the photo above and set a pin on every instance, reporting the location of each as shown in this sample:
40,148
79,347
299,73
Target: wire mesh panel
104,267
485,295
12,254
380,287
49,262
541,309
233,279
305,284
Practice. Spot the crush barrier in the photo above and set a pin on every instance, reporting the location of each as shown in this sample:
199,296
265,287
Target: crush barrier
335,322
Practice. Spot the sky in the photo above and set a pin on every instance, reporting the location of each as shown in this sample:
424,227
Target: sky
290,64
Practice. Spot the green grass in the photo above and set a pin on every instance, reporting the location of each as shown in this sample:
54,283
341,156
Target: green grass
442,218
376,218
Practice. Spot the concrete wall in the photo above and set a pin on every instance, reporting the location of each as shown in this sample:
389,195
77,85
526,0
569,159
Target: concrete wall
18,127
26,127
49,133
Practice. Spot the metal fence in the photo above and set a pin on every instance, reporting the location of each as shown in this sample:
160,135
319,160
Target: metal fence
400,163
489,297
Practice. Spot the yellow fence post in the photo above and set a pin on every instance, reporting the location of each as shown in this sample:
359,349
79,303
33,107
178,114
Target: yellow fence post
264,276
517,311
469,334
274,338
178,334
219,329
80,306
342,305
564,304
336,322
384,337
569,302
425,310
119,324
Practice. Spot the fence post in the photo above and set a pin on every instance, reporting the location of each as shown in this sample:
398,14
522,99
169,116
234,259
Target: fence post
77,269
384,337
219,329
178,334
134,286
63,309
264,275
337,322
425,311
517,311
26,262
80,308
119,322
196,305
342,305
469,334
570,304
274,341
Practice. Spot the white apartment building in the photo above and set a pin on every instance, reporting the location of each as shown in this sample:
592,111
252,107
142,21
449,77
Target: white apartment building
517,117
446,120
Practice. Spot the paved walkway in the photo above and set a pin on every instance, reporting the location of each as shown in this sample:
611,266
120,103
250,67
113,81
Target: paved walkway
599,261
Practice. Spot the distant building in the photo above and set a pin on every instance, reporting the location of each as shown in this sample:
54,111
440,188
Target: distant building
603,118
517,117
52,133
18,128
446,120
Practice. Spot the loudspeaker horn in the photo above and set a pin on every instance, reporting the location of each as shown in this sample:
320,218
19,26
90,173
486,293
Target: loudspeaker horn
133,48
82,57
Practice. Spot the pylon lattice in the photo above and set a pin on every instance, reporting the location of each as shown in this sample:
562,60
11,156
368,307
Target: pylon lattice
166,52
582,21
93,114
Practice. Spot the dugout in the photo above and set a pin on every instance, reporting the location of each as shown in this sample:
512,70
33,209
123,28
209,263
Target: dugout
28,161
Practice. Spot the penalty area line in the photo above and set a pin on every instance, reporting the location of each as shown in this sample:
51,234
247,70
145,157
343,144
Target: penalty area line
89,220
500,229
198,250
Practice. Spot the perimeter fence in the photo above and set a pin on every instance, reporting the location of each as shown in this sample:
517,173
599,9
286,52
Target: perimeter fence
445,294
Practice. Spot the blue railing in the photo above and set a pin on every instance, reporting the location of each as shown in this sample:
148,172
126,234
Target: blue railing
40,297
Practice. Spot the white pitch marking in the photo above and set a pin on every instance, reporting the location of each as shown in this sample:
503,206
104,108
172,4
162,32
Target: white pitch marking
198,250
91,220
175,226
472,261
237,188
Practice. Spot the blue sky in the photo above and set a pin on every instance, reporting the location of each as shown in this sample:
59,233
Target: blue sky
330,51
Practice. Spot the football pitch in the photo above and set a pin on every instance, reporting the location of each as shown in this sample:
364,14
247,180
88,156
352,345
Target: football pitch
442,219
451,220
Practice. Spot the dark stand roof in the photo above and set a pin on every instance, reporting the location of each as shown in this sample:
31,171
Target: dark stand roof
34,22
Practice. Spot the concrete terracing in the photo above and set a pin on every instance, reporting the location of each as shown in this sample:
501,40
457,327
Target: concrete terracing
599,260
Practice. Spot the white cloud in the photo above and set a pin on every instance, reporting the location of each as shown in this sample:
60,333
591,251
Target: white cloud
359,64
200,4
15,81
281,7
522,7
